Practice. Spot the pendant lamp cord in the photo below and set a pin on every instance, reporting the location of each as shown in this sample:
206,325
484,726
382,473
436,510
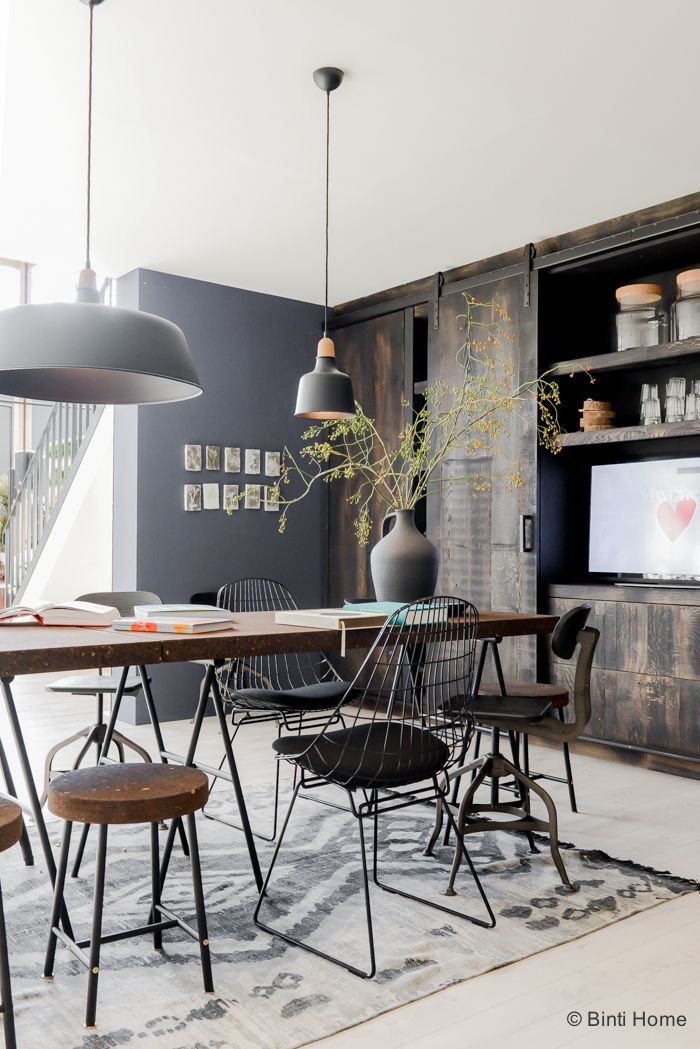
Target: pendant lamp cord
327,184
89,145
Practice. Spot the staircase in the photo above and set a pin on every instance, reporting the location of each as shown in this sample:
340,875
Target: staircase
43,489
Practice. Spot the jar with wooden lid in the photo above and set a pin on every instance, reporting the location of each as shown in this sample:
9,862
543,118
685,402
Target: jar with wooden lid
641,318
686,308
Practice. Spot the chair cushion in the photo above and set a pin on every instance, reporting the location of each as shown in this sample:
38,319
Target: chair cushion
382,754
322,696
91,685
557,696
487,710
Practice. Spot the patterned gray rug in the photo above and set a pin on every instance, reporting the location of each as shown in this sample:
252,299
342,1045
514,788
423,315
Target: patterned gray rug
277,997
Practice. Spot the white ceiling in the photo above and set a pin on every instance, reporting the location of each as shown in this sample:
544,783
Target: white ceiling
463,129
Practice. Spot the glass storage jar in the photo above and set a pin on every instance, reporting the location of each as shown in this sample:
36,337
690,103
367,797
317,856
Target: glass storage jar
641,318
687,305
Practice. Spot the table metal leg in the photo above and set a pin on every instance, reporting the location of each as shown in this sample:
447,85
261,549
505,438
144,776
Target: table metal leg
24,841
235,780
210,690
30,786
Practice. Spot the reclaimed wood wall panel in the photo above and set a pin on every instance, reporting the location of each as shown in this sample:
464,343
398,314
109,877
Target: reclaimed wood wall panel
478,533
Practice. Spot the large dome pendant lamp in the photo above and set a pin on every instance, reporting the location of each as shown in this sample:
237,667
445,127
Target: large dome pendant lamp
326,393
84,352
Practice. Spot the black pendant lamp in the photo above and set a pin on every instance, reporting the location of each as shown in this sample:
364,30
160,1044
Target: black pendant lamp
88,353
326,393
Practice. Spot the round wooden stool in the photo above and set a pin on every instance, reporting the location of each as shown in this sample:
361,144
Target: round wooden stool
11,830
113,794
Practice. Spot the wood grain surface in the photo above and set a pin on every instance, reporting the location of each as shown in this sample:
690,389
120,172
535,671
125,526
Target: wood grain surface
36,650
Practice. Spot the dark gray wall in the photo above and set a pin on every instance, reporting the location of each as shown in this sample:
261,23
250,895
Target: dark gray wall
250,350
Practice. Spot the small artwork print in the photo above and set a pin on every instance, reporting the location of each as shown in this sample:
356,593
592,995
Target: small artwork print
230,497
272,464
272,498
193,497
213,457
252,460
193,457
211,496
232,460
252,497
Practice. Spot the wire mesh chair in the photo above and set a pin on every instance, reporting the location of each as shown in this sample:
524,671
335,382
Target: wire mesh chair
292,690
398,735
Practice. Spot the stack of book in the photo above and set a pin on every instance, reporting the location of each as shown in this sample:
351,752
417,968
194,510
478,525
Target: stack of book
175,619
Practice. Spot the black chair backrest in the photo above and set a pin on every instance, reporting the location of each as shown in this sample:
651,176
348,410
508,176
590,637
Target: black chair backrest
292,670
567,630
122,600
412,692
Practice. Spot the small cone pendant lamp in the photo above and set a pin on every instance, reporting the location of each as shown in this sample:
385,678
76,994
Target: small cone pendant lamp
326,393
86,353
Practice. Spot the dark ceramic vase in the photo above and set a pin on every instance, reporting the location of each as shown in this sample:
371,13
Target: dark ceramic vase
404,563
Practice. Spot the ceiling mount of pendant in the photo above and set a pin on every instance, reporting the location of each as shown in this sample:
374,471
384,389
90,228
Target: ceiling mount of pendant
88,2
328,78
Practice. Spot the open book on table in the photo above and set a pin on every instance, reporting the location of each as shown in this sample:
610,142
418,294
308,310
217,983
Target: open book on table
65,613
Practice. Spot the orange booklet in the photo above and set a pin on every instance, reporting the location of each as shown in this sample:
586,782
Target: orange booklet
173,625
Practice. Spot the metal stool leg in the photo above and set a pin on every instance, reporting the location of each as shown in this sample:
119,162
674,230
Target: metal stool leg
75,873
155,887
199,904
8,1012
59,888
96,933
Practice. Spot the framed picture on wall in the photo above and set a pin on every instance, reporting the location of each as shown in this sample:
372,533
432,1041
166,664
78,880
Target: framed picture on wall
211,496
193,497
231,497
193,457
252,460
272,498
272,464
232,460
252,497
213,457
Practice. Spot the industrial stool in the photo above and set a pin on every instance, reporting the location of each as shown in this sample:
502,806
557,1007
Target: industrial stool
11,831
131,793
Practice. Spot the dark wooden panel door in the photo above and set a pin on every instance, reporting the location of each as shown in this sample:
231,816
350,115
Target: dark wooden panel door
478,532
372,353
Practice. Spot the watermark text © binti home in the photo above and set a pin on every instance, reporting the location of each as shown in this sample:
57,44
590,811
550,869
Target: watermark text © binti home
626,1018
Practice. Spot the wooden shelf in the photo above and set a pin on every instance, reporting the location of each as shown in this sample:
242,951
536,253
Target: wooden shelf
642,356
629,433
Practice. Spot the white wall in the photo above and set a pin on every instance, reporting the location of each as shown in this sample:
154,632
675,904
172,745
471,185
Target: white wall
77,558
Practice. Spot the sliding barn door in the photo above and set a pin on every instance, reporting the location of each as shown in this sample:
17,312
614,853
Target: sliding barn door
372,353
478,533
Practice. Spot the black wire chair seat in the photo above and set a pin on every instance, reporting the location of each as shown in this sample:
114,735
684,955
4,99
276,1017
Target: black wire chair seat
368,757
321,696
395,734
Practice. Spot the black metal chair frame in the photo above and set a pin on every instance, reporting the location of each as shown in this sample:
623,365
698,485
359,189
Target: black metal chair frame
410,684
521,739
570,632
257,594
87,951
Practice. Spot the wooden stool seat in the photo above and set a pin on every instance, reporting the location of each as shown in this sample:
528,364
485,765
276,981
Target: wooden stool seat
11,824
128,793
557,696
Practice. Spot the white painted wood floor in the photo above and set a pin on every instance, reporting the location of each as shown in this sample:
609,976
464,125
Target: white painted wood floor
650,962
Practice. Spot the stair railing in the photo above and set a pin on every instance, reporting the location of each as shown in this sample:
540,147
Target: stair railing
44,487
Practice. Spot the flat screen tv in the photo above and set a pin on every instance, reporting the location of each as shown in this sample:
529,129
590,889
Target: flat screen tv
645,519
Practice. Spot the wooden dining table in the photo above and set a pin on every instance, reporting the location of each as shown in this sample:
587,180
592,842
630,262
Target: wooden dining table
28,650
